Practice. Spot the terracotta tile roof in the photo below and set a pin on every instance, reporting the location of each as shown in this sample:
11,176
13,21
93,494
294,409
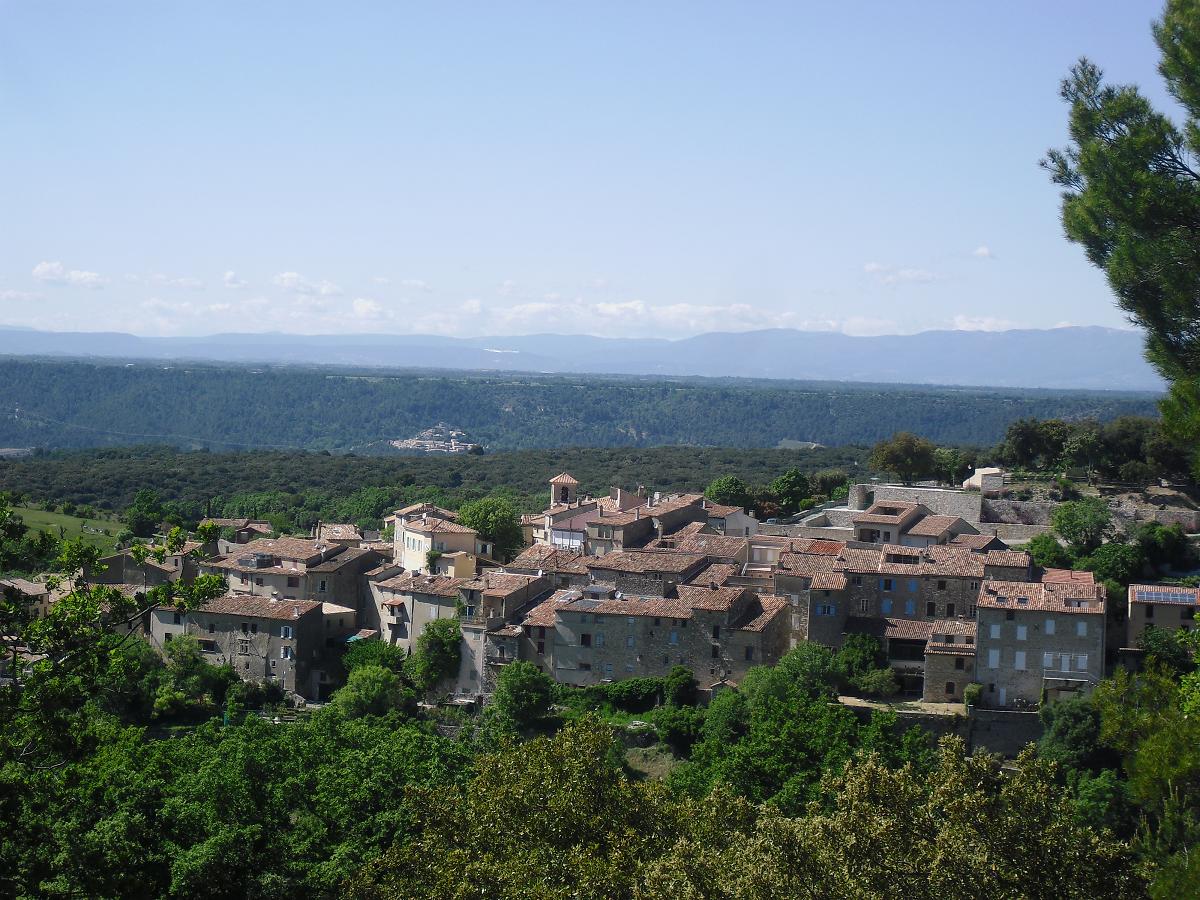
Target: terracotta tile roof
1017,559
829,581
974,541
437,526
338,531
335,609
564,478
719,511
933,526
543,614
347,556
507,631
761,612
717,573
28,588
364,634
498,584
253,607
1164,593
417,509
711,545
1069,597
633,606
1067,576
641,561
549,559
705,597
886,512
433,585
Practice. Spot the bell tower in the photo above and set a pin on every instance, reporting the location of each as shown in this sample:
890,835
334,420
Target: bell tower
564,489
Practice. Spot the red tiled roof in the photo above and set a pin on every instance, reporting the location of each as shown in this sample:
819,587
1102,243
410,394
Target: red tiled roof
933,526
761,612
434,585
633,606
1051,596
1067,576
549,559
254,607
641,561
1163,593
705,597
717,572
564,478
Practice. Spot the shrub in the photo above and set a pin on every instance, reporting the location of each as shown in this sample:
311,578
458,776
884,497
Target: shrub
971,693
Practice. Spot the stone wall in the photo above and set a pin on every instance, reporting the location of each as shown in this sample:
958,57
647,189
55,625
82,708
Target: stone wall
1002,731
1018,512
1013,534
942,502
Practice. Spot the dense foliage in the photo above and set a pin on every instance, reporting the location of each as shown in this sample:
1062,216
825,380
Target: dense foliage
68,404
1129,449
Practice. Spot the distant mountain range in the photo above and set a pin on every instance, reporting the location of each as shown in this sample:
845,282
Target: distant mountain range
1091,358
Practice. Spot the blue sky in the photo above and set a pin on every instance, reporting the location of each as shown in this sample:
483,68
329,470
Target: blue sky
633,169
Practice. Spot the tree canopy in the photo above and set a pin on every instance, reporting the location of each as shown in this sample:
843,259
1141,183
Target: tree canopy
907,455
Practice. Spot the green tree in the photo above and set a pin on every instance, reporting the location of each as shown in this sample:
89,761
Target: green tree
1131,199
496,520
791,488
373,653
437,654
372,690
729,490
1048,552
952,465
1120,563
906,455
145,514
523,694
1082,523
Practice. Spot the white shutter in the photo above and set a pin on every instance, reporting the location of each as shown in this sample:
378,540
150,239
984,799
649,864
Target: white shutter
1019,661
1049,626
1081,628
993,659
1048,659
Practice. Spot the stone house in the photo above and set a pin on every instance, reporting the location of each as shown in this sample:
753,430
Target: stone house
564,568
417,536
1038,639
645,572
35,594
277,641
1167,606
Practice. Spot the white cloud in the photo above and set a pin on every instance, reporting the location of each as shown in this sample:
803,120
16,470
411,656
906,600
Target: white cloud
17,296
158,279
983,323
298,284
415,284
507,287
381,279
366,308
472,307
57,273
983,251
891,275
231,280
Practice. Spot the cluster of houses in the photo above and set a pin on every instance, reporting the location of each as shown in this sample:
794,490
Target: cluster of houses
633,583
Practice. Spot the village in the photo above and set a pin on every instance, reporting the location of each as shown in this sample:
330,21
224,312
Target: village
635,582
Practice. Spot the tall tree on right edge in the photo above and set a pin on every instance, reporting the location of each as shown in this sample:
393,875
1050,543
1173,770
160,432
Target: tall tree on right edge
1131,197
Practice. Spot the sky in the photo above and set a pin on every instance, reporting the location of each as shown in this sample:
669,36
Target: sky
633,169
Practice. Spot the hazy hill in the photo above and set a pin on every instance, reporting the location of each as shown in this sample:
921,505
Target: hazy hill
1071,358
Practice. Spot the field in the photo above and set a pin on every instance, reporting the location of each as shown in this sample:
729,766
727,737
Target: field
71,527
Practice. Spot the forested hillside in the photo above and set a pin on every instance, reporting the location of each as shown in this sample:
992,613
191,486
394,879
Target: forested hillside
72,404
110,478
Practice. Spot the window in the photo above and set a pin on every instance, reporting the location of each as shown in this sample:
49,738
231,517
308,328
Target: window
913,585
992,688
1081,629
254,628
1049,626
583,617
1187,612
716,652
993,659
856,581
941,585
630,620
167,637
285,652
1019,661
949,610
931,608
243,647
960,663
885,584
608,668
293,581
864,605
585,667
212,628
1149,610
716,632
541,648
657,621
1081,662
178,619
258,581
1048,660
585,640
974,585
949,687
245,628
1022,633
630,641
749,654
885,605
1009,615
994,632
321,586
674,637
826,609
910,607
285,632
